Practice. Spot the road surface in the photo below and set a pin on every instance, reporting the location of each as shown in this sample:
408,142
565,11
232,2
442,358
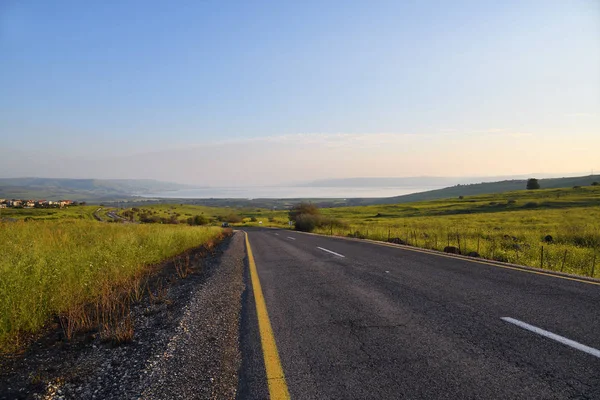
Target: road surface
356,320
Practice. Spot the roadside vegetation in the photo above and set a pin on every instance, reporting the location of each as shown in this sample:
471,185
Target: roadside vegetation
82,272
65,265
556,229
77,212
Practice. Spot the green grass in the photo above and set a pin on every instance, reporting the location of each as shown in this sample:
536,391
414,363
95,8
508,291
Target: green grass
506,227
77,212
180,211
53,268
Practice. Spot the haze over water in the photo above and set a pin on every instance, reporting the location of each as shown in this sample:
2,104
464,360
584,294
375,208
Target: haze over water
283,192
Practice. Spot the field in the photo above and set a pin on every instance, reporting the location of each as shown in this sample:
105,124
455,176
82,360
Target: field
58,268
180,213
76,212
508,227
55,262
556,229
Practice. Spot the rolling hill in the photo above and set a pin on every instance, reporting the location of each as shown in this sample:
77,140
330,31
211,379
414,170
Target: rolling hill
480,188
81,189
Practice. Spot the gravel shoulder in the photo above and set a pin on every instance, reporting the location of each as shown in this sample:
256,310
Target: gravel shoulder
186,346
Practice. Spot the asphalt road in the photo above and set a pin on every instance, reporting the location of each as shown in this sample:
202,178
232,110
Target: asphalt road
374,322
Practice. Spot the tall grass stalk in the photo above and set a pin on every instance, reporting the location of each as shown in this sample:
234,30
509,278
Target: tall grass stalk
57,268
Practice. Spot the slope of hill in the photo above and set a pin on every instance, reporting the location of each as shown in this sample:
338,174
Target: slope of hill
480,188
81,189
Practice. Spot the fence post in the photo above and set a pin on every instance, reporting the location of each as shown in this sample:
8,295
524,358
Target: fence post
562,268
542,258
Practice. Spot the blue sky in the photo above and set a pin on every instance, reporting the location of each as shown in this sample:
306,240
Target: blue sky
394,88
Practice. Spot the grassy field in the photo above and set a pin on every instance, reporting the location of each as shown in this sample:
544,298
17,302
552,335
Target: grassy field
76,212
213,215
506,227
57,268
54,262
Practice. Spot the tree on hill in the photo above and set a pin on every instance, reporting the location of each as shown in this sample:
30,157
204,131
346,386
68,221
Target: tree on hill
533,184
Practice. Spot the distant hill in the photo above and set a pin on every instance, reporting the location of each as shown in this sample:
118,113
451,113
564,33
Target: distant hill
81,189
480,188
415,181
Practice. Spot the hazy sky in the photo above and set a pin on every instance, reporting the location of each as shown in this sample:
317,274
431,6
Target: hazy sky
251,92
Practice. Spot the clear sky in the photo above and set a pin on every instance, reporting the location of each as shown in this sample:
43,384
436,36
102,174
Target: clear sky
252,92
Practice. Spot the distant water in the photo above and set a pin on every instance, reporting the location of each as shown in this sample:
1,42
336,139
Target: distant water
282,192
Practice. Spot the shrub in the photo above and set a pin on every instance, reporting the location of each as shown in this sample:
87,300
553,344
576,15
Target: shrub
197,220
533,184
531,204
307,222
253,219
233,218
303,208
595,183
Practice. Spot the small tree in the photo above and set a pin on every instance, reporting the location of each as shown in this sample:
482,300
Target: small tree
307,222
533,184
303,208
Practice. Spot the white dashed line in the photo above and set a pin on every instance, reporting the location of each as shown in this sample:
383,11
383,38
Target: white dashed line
291,238
554,336
329,251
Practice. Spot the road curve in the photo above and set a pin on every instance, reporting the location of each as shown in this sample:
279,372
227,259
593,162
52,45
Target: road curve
354,320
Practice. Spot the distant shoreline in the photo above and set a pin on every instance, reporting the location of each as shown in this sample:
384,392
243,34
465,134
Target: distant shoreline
289,192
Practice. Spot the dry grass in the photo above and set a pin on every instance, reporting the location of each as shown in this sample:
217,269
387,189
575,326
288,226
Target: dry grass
504,227
85,273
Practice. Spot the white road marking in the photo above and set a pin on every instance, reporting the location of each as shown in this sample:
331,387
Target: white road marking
289,237
329,251
277,234
554,336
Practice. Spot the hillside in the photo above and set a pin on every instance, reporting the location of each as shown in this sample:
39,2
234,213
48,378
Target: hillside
81,189
479,189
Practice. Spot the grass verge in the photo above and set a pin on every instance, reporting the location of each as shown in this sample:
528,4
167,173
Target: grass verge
555,229
82,272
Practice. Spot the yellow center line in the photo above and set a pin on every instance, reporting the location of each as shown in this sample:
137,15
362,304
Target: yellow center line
278,389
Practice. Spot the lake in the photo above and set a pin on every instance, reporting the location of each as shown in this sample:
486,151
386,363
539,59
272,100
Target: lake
287,192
